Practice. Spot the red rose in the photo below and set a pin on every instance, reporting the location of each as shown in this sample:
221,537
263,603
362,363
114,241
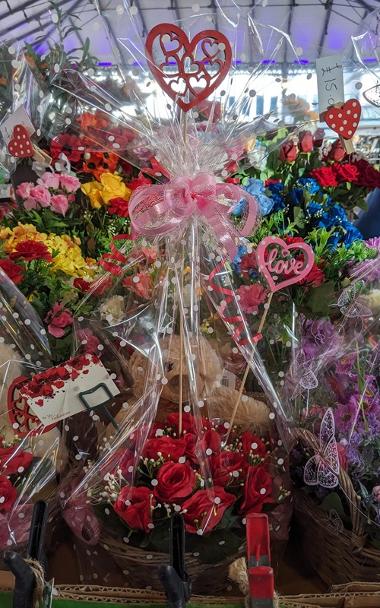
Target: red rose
227,466
188,422
271,180
31,250
135,506
191,442
315,277
13,270
8,495
318,138
167,447
325,176
368,177
253,446
58,318
118,206
175,481
257,490
13,460
211,441
337,152
346,172
288,152
305,141
204,510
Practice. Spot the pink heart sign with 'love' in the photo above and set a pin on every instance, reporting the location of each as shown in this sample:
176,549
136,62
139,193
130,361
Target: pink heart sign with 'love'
187,70
277,259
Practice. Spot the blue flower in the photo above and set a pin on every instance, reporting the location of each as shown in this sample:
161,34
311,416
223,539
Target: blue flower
296,196
256,188
239,208
310,184
351,234
314,209
241,251
277,190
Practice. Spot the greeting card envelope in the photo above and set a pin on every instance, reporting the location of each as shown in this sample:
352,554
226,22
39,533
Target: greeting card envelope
79,384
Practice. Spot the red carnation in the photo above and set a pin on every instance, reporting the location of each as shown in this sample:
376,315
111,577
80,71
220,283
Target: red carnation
58,318
325,176
13,270
135,506
118,206
68,145
82,285
204,510
31,250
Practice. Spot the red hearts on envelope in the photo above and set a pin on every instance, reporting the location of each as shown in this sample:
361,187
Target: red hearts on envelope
20,145
344,120
191,69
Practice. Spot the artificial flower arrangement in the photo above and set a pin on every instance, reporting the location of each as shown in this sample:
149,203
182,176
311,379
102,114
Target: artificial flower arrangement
246,478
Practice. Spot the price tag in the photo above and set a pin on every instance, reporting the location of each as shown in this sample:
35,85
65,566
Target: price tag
330,81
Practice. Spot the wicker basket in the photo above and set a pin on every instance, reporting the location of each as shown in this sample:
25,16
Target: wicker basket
338,556
140,567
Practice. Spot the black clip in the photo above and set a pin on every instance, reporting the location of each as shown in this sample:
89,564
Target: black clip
174,577
25,580
82,396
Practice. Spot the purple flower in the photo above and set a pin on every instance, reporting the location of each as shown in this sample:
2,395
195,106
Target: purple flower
319,338
369,270
347,416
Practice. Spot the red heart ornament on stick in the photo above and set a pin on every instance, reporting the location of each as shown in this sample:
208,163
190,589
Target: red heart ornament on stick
344,120
191,69
20,146
275,259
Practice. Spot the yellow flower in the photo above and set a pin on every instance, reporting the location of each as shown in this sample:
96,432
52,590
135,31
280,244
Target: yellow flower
110,186
94,192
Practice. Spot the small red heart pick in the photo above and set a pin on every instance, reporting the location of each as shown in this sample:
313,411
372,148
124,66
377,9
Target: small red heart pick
344,120
20,146
188,64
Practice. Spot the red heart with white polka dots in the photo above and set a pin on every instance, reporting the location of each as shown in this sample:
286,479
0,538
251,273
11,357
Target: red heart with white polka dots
344,120
20,145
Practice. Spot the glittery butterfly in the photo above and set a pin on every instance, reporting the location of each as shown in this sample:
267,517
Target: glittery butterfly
372,95
307,380
350,304
322,469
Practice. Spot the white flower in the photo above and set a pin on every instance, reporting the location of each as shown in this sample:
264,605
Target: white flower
113,309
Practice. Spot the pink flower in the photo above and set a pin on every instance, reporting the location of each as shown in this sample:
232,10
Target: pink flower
58,318
59,203
251,296
30,203
41,194
49,180
69,182
24,189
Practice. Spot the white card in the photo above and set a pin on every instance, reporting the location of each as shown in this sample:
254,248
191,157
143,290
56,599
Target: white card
18,117
87,381
330,81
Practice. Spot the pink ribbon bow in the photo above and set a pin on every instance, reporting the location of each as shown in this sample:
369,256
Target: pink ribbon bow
160,209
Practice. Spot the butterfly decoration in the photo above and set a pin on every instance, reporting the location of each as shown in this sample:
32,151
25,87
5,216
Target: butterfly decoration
350,304
334,522
305,375
322,469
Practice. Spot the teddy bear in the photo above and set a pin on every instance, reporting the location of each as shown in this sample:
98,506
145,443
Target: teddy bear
220,400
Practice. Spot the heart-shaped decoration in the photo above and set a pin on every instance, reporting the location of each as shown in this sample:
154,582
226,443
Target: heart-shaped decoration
22,419
276,260
344,120
20,145
187,64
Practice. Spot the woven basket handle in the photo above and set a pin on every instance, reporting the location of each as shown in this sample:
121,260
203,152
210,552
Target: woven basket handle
358,521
